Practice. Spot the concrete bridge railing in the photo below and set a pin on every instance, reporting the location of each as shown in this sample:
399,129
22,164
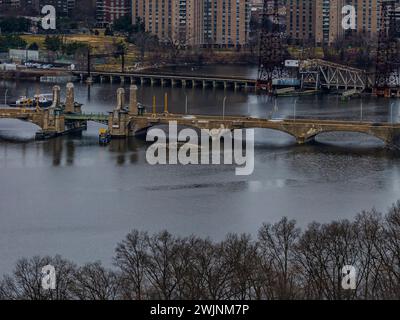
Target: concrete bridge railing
303,131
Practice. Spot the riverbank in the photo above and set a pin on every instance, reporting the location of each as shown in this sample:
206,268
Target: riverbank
32,74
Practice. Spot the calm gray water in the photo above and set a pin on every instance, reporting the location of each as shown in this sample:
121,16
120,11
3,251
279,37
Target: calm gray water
71,196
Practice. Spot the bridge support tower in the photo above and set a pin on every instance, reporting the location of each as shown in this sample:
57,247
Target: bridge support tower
119,118
387,73
272,52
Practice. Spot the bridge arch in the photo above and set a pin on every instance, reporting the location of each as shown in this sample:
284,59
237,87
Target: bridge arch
282,130
17,129
34,123
141,130
306,135
378,137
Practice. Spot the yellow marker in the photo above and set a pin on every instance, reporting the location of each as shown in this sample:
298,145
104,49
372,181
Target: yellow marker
154,106
37,99
37,104
166,103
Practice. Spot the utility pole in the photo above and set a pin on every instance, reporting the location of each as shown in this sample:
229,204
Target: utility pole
88,61
123,61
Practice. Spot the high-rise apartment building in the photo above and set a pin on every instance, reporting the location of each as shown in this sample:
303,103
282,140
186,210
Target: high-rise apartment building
189,21
321,21
367,17
63,7
196,22
226,22
158,16
10,3
300,20
107,11
328,21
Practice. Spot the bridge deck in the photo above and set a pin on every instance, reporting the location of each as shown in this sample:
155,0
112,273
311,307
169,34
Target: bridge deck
187,119
167,76
302,129
97,117
251,120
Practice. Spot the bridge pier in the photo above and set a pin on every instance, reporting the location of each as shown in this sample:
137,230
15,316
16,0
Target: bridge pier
118,119
304,140
133,109
70,99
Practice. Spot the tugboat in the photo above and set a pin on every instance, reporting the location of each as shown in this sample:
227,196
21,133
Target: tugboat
43,100
104,137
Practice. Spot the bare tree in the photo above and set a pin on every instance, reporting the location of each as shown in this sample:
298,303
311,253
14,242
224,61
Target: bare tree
240,253
160,266
389,251
322,252
215,271
94,282
131,258
368,226
26,282
277,244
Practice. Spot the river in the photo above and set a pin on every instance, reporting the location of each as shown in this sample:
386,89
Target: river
70,196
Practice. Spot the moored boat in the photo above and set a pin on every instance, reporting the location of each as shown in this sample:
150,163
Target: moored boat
41,100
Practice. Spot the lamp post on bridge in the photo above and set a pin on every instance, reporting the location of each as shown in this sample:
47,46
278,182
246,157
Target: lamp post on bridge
186,104
294,109
391,112
223,108
5,97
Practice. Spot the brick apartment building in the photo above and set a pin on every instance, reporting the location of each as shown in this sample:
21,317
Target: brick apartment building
320,22
107,11
223,23
63,7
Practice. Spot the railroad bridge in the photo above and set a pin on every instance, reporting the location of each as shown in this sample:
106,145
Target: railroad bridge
316,73
319,73
167,79
129,120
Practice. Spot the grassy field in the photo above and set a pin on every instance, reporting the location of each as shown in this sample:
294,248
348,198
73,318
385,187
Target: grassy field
99,44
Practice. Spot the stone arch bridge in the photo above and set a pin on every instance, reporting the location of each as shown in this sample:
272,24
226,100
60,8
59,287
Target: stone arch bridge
123,121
